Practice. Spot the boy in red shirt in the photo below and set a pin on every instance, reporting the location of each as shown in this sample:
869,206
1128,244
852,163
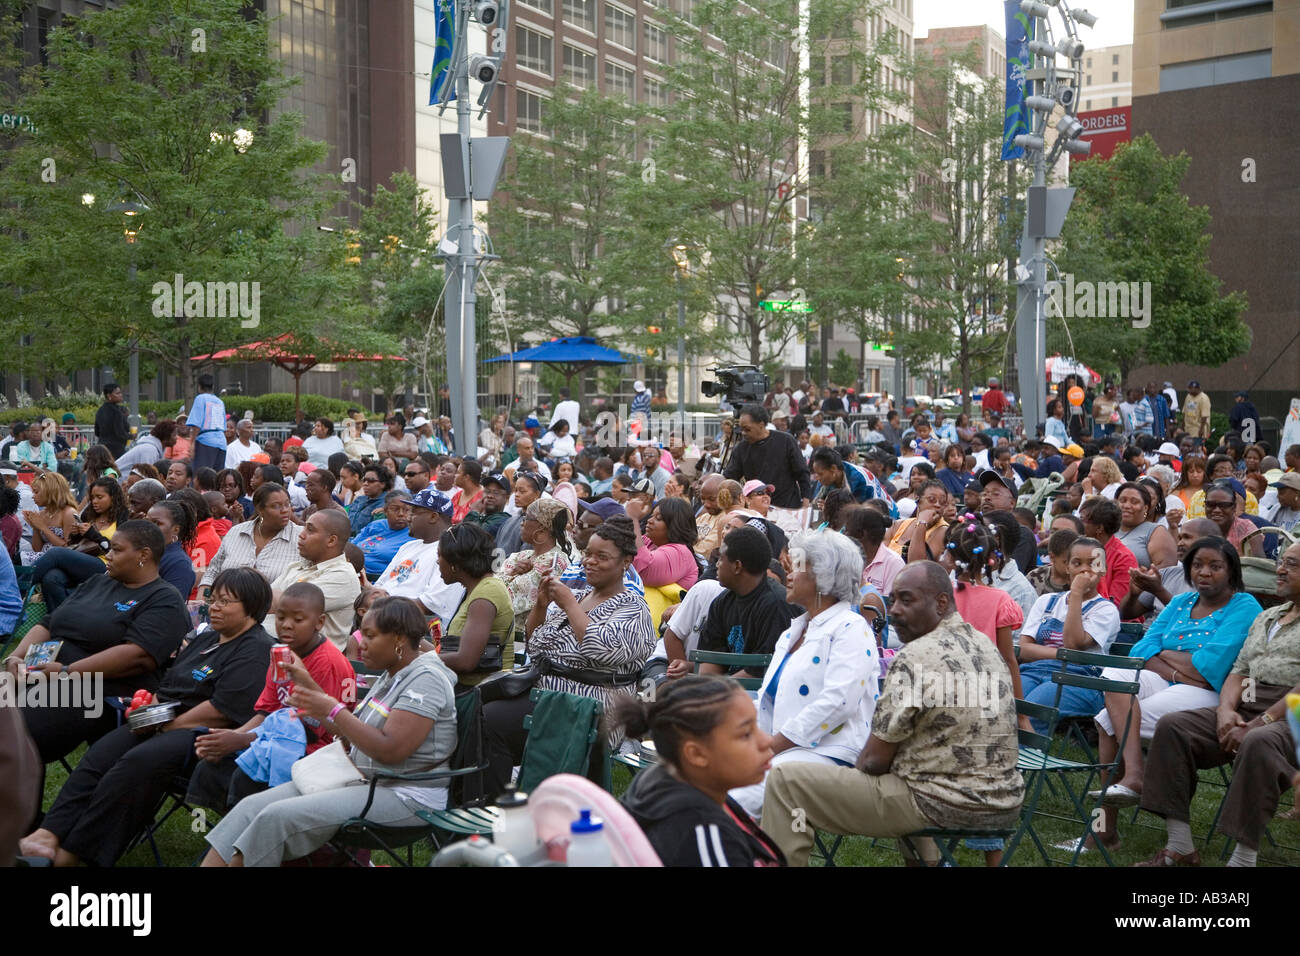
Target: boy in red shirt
299,616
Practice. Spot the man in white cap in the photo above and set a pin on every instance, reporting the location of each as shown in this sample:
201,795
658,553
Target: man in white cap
1287,515
640,399
1168,454
425,439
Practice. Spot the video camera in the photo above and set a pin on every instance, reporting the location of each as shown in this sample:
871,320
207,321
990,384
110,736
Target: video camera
738,385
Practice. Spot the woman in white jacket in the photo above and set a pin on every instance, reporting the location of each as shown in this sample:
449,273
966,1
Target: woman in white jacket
820,689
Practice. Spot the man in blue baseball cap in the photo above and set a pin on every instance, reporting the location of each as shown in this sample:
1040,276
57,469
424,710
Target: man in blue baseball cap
413,573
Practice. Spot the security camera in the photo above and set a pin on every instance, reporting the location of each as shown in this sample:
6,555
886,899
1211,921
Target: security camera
483,68
1034,9
1066,96
486,11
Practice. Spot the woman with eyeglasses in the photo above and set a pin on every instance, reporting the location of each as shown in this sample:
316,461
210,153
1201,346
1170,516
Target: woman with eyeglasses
376,481
268,543
590,642
1222,504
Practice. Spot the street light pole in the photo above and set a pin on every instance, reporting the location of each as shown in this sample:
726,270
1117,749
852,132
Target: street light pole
681,351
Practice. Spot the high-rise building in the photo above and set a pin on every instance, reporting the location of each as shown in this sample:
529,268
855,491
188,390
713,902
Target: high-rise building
1107,77
1221,81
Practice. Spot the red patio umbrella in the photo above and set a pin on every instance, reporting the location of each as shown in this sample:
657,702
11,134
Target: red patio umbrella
294,357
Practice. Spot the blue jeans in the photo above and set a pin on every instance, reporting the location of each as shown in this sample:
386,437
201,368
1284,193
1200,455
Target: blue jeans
1038,688
59,571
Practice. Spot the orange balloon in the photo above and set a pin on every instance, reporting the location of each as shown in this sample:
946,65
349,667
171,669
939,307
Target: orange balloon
1075,395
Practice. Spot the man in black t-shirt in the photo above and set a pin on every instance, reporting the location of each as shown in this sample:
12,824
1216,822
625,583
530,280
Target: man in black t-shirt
111,427
752,614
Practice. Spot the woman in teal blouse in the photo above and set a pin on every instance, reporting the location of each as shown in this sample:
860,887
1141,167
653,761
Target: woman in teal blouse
1188,650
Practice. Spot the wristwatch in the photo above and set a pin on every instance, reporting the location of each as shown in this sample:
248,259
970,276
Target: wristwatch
1266,718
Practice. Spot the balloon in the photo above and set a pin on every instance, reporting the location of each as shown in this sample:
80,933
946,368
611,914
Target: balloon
1075,395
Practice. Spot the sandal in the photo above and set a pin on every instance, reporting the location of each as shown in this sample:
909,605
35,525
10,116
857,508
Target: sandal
1166,857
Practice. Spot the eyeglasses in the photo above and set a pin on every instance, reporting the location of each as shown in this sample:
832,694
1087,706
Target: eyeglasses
1218,505
414,474
222,601
1289,564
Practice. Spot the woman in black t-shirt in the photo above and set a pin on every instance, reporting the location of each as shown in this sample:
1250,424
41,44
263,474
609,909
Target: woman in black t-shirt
124,625
217,677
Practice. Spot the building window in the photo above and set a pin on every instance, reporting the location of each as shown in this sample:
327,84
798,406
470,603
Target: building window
534,51
620,27
684,9
1089,80
1087,104
1114,77
581,14
817,71
620,81
656,93
579,67
543,5
1114,59
1218,71
841,71
1089,63
846,115
528,111
656,43
817,164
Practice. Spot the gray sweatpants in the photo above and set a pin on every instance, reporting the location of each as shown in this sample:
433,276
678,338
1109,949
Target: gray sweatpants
281,823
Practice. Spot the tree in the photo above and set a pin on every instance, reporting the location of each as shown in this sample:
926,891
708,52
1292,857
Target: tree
571,262
954,271
729,178
1132,223
170,106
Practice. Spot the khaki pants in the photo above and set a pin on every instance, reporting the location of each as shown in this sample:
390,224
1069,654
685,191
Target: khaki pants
804,797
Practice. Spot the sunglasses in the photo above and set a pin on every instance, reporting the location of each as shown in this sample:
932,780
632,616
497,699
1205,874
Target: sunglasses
414,474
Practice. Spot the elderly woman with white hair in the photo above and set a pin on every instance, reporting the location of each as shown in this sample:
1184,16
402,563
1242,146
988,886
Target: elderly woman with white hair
820,690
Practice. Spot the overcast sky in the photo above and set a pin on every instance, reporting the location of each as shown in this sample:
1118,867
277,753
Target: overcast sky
1114,18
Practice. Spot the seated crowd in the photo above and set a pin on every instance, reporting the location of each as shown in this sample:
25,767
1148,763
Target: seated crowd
854,576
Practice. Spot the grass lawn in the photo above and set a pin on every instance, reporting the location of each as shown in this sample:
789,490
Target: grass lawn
180,841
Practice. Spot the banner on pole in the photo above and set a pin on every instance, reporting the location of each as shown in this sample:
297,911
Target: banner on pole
1020,30
444,43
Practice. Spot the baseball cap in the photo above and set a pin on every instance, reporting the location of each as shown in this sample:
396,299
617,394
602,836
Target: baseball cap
1289,479
1237,487
1169,448
1193,384
496,478
69,417
1073,450
419,421
1053,441
987,478
643,486
638,386
434,500
603,509
754,485
1241,393
9,472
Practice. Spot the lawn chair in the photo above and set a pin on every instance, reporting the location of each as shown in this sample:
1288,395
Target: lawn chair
563,731
750,662
1031,761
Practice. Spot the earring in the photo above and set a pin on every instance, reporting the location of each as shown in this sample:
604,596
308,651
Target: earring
399,652
141,564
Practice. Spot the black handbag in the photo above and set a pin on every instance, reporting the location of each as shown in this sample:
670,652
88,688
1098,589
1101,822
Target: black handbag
507,685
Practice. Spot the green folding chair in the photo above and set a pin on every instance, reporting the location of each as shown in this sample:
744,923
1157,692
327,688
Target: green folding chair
753,663
469,760
563,731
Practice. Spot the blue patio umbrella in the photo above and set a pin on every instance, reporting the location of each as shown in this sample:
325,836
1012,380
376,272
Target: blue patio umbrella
569,355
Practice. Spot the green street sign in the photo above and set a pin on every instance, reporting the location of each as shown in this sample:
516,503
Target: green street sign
789,305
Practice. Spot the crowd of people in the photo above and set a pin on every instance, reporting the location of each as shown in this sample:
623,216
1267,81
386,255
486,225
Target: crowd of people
173,565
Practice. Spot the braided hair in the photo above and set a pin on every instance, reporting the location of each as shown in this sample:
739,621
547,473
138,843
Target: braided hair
618,531
688,708
973,547
182,515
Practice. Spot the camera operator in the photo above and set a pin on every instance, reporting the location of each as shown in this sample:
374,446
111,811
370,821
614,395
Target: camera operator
774,458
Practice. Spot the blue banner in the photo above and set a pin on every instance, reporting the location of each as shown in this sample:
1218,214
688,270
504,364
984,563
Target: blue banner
444,43
1020,30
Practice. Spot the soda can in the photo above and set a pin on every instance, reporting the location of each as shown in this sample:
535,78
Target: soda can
280,656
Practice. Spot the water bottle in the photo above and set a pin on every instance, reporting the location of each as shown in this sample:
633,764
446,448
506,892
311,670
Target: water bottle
514,831
587,845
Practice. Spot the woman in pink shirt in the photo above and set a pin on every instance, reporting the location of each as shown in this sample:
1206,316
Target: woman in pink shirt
971,550
866,527
664,554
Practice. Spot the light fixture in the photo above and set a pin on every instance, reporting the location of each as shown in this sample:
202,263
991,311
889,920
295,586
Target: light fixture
242,139
1070,48
1042,48
1079,147
1084,17
1069,127
1034,8
1044,104
1026,141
